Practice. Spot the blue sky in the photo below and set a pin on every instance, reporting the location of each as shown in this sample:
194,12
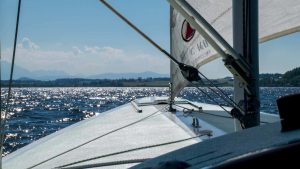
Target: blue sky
83,37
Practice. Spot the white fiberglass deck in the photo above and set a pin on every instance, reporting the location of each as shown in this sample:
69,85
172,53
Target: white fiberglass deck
117,130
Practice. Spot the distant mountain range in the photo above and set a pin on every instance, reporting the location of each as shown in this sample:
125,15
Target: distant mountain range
24,74
143,75
59,78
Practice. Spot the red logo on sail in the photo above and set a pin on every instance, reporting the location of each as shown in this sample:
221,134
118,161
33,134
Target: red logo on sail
187,31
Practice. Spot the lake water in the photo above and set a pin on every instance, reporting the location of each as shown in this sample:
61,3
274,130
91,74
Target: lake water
37,112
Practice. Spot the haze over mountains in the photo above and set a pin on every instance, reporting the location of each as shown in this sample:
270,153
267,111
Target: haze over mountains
24,77
289,78
22,73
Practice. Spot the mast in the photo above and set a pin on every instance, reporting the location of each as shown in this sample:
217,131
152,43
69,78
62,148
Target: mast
172,53
245,42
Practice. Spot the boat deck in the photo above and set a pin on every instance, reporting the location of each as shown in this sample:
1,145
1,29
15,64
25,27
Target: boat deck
125,136
250,144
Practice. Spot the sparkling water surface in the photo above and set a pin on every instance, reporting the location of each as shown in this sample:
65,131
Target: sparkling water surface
37,112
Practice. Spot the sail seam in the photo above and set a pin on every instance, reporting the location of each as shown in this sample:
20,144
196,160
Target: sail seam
222,14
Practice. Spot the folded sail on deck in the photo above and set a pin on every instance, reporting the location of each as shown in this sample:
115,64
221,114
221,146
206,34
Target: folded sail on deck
276,18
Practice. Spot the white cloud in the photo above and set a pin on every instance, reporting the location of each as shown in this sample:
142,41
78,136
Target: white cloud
76,50
106,50
110,51
86,60
93,50
26,43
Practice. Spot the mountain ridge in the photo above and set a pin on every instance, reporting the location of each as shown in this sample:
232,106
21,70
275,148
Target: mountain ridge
22,73
289,78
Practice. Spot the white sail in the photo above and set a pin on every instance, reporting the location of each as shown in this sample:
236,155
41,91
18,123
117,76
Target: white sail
277,18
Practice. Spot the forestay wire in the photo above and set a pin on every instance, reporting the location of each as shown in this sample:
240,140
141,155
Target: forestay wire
3,118
190,71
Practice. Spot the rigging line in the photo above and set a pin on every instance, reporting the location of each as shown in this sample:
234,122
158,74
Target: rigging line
133,149
111,163
243,127
212,99
186,113
218,115
3,121
219,89
218,104
220,95
155,44
184,107
101,136
229,117
139,31
233,102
